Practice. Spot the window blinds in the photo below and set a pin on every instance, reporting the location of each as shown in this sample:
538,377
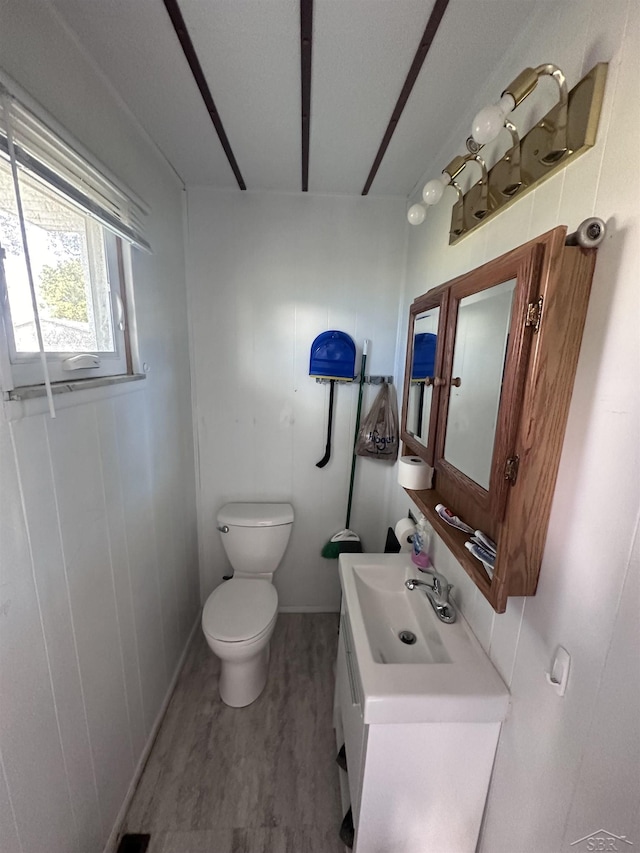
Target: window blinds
42,152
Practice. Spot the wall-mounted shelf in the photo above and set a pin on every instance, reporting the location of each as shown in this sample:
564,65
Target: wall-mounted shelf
454,539
378,380
368,380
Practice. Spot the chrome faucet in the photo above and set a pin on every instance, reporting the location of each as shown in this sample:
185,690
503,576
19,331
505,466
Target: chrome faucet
438,594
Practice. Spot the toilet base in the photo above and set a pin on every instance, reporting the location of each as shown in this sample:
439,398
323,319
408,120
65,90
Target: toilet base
242,681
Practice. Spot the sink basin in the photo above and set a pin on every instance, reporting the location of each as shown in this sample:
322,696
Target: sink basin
444,675
390,610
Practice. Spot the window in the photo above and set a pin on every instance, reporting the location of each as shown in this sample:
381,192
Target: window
79,293
65,230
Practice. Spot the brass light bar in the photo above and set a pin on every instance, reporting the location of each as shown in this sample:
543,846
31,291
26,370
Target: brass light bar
563,135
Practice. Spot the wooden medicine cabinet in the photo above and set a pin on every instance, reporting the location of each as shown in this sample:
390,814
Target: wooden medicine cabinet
491,360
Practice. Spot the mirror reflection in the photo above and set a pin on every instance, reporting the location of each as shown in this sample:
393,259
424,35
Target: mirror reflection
482,336
425,331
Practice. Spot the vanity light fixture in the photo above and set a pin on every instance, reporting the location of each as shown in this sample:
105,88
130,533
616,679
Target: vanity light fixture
489,121
507,179
457,213
567,130
434,190
476,201
416,214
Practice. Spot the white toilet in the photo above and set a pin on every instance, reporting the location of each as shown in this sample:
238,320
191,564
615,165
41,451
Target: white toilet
239,616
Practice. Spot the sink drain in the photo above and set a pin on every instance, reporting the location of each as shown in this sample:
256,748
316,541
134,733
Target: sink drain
407,637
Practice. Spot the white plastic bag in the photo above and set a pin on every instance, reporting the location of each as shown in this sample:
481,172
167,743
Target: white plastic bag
378,434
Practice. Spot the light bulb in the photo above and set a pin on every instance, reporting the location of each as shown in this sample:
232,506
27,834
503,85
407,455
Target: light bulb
433,190
416,214
490,121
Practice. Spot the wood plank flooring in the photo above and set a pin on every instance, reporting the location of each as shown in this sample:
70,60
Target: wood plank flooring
260,779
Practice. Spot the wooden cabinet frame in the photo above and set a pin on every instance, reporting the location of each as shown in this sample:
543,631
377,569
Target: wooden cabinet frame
548,315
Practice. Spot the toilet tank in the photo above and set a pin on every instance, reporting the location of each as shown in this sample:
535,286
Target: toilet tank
255,535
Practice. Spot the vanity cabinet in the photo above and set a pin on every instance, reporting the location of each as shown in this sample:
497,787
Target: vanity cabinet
349,718
412,786
506,349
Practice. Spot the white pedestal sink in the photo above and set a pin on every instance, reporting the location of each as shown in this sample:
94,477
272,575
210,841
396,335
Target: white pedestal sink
420,722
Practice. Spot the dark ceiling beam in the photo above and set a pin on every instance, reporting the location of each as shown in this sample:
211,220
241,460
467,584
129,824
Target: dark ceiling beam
439,8
306,37
189,50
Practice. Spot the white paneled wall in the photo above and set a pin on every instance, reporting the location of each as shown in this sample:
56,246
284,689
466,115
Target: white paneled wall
266,274
553,751
89,637
98,542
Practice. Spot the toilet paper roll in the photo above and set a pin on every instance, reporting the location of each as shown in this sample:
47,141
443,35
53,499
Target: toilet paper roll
414,473
404,530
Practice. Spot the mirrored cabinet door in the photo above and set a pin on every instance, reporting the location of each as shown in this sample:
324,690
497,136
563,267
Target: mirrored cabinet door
423,374
479,353
487,347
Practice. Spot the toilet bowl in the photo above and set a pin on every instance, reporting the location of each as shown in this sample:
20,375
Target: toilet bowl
240,615
238,620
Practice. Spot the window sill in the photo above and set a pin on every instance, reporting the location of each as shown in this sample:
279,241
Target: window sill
32,399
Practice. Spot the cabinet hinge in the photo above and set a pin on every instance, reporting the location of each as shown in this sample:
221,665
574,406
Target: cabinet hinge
511,469
534,314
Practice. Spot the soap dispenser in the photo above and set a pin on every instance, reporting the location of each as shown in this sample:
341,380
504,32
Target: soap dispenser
421,541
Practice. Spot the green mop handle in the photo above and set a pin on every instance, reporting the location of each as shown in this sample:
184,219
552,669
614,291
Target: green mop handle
363,365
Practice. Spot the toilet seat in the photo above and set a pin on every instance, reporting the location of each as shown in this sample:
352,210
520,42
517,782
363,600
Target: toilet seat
240,609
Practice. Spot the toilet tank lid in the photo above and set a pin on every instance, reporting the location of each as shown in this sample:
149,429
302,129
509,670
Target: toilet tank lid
256,514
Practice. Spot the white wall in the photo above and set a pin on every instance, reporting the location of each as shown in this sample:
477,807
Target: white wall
266,274
98,548
569,766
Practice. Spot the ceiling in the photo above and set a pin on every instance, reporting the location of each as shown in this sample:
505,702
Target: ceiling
249,51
